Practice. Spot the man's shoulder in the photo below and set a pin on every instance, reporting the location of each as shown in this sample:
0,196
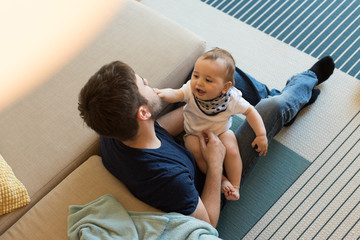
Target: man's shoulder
107,143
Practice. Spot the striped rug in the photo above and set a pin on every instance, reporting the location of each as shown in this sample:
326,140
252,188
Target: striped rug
317,27
324,201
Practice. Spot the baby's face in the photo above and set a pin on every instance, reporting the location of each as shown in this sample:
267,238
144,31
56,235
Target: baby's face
208,79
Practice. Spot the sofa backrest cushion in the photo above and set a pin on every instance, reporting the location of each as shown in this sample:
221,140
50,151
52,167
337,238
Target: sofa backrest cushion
43,137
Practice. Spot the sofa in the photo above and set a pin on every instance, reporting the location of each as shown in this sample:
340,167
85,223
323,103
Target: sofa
52,153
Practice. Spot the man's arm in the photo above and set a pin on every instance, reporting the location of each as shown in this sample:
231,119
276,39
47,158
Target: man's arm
173,122
208,208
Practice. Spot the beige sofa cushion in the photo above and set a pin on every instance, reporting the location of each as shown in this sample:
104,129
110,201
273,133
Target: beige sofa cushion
48,218
42,136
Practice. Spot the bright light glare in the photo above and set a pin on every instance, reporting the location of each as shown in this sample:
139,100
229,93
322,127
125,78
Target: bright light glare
38,37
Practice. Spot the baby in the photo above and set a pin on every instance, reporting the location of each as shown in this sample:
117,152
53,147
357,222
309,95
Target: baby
211,101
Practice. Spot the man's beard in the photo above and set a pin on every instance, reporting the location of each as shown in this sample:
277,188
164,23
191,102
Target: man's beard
155,108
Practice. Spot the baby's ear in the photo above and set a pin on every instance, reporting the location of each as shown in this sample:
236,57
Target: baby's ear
226,88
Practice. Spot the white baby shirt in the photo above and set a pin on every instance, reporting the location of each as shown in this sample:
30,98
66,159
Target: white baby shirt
196,121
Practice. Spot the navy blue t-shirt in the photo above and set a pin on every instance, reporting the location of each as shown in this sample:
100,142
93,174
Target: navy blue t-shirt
166,178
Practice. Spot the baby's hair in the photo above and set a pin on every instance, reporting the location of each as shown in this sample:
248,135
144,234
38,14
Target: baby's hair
216,53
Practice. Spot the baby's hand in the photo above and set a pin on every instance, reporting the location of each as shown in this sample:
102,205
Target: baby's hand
260,144
162,93
169,94
158,91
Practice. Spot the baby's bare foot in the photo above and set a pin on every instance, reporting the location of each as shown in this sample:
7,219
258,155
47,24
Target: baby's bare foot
230,192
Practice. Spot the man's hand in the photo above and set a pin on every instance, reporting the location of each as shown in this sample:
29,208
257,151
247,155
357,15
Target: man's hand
212,149
208,208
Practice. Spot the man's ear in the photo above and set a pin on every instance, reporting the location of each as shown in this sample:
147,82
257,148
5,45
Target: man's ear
226,88
143,112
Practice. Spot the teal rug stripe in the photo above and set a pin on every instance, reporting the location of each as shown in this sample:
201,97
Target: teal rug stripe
271,177
318,28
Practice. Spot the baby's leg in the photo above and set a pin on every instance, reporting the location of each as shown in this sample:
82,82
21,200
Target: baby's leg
193,145
233,166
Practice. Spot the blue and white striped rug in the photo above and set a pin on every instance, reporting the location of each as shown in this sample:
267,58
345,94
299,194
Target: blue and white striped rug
317,27
324,202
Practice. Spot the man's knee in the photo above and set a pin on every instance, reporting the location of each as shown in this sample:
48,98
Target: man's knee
270,107
275,113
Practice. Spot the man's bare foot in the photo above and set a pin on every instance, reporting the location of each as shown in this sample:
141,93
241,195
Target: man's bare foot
230,192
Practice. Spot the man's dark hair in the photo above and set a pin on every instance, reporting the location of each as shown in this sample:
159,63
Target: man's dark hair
109,101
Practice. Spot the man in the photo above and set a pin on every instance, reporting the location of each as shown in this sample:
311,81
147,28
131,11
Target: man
140,151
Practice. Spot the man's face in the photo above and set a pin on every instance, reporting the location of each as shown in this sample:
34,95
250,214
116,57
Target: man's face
154,102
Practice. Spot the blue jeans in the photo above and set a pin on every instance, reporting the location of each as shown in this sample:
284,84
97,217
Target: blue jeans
276,109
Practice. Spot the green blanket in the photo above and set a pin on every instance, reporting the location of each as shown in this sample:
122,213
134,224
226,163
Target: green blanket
105,218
